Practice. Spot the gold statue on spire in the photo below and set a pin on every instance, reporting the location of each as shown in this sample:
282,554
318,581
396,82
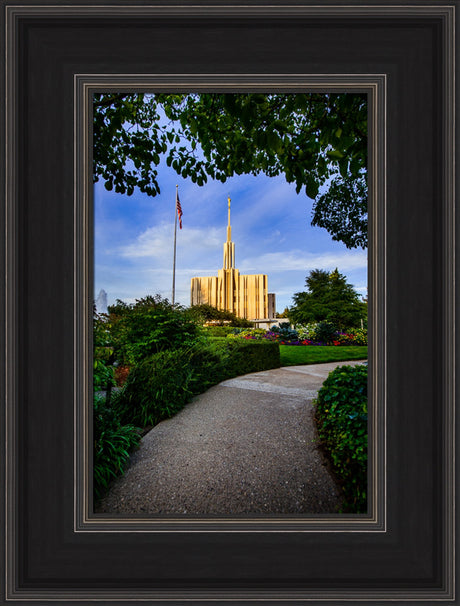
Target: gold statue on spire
229,229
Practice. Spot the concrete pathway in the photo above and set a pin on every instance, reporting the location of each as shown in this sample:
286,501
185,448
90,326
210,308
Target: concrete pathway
247,445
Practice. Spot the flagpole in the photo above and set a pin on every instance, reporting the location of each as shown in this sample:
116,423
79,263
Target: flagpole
174,261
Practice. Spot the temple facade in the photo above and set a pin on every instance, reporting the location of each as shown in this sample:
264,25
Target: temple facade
244,295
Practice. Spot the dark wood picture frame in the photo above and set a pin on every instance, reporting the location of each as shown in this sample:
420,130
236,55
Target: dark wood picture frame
403,56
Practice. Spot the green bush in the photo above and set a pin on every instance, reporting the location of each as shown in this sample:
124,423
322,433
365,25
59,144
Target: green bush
112,444
103,375
325,332
249,333
360,336
161,385
341,417
149,326
307,331
207,365
207,313
156,388
218,331
242,357
285,332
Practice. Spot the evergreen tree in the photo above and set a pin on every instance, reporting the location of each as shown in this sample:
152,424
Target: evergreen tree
329,298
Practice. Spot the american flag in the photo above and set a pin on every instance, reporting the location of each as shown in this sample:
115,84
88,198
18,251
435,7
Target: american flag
179,209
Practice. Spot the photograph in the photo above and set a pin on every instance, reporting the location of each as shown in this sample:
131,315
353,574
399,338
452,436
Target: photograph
230,298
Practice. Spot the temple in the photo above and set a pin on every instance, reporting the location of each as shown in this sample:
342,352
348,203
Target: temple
244,295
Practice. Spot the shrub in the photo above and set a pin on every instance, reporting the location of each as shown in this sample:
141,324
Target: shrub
156,389
282,326
149,326
102,354
206,364
242,357
307,331
325,332
161,385
207,313
360,337
285,332
112,444
341,417
219,331
102,371
222,358
249,333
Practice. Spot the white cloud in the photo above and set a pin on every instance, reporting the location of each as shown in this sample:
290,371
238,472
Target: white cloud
297,260
157,242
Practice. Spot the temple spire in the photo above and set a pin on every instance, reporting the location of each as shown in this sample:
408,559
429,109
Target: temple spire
229,246
229,228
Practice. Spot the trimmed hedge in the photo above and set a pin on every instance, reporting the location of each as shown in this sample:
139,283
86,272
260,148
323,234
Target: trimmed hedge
341,417
161,385
243,357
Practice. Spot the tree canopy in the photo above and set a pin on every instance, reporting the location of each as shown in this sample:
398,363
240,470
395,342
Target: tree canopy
317,141
329,298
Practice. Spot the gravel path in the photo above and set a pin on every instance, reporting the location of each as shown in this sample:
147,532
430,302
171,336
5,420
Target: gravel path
247,445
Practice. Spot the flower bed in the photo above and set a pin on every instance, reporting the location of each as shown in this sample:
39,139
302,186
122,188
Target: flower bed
359,337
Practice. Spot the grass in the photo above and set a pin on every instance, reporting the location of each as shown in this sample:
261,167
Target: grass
292,355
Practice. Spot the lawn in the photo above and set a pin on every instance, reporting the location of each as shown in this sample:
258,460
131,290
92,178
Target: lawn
293,355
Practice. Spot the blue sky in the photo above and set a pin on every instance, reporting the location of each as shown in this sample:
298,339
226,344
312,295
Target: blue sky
270,227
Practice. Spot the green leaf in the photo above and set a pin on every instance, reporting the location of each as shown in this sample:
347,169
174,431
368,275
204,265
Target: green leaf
335,154
193,126
355,166
274,141
343,167
312,187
